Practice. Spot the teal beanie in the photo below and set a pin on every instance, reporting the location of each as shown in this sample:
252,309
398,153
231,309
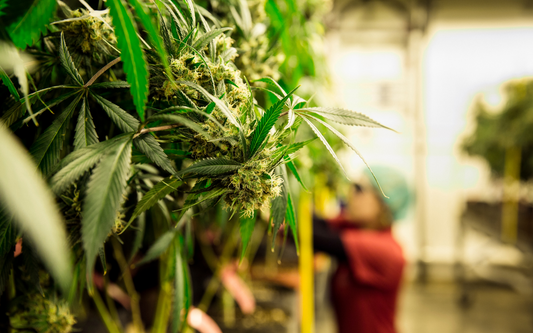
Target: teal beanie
394,186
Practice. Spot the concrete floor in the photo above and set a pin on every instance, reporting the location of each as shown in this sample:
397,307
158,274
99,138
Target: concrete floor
435,308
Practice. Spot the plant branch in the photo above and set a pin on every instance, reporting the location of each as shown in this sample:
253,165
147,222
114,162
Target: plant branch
101,71
104,314
225,257
155,129
164,300
110,304
130,287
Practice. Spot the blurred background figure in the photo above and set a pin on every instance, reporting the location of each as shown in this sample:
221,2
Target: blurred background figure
452,77
370,262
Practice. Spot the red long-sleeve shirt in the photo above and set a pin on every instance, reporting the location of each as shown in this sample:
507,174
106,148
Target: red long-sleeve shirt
365,287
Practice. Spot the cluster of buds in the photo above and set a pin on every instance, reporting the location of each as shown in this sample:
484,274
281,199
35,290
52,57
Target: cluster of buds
252,188
43,314
90,35
255,60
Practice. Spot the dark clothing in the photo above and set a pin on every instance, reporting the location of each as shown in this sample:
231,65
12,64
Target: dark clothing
327,240
366,283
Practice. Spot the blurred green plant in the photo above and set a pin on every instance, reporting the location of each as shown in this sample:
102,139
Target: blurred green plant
497,131
141,118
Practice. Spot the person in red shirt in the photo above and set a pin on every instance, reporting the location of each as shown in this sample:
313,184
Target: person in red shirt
365,287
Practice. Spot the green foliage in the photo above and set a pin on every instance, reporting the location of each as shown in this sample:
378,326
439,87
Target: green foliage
189,129
247,225
290,217
513,119
67,63
103,199
266,123
279,204
159,247
85,131
156,193
48,146
211,167
9,84
124,121
151,29
131,53
345,117
26,29
77,163
21,185
179,286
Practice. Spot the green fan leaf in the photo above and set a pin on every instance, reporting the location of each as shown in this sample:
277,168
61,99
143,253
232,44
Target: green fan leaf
80,161
279,204
28,27
266,123
85,130
3,4
290,217
294,171
272,82
131,54
139,234
178,119
293,148
67,63
48,145
349,144
346,117
219,103
110,85
190,6
156,193
50,104
195,199
159,247
247,228
9,84
213,167
149,146
25,196
103,198
124,121
208,37
103,260
153,34
325,142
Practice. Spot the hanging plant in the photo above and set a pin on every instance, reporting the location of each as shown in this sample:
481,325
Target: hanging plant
134,106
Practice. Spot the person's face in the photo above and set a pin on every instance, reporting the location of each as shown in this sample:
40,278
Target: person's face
363,208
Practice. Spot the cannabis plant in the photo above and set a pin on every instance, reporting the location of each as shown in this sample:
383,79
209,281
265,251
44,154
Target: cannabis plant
131,108
513,119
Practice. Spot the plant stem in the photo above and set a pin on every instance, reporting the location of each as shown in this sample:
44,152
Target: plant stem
130,287
164,299
101,71
104,314
214,283
155,129
110,304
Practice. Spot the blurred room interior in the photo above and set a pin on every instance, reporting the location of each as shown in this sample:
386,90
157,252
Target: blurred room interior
419,67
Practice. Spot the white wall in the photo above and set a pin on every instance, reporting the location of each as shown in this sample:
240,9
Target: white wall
458,65
460,60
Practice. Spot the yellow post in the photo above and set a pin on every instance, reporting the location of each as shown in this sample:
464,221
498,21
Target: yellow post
307,300
511,188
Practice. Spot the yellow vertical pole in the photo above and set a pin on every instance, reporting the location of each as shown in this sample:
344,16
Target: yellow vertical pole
307,300
510,194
